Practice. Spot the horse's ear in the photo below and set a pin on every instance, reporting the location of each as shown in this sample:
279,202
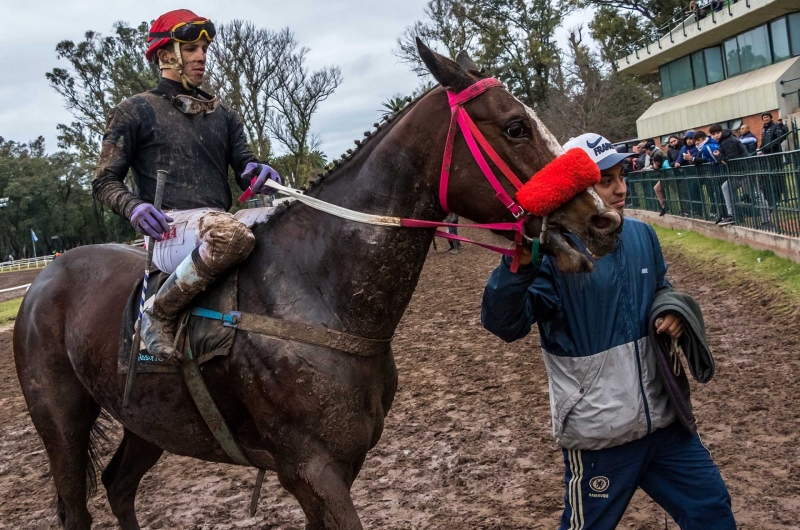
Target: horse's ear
467,63
447,72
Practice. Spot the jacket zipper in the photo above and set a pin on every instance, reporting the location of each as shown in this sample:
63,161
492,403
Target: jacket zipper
632,335
641,388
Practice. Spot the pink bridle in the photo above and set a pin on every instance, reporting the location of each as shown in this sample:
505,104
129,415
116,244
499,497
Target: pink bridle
474,138
459,118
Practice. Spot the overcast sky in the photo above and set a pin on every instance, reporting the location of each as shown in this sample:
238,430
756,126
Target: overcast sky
356,35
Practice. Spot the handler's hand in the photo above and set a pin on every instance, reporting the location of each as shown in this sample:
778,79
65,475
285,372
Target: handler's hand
526,257
672,325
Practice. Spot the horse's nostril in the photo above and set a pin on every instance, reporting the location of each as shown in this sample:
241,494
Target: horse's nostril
606,222
600,222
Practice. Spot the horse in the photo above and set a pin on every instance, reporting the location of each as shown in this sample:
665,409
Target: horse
306,412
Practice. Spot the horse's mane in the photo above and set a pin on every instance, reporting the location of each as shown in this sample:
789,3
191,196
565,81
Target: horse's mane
336,167
384,124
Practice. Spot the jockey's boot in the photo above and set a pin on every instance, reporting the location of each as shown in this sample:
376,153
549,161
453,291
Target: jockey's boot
159,321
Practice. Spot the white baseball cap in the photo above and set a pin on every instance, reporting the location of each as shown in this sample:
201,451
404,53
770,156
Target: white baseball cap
599,149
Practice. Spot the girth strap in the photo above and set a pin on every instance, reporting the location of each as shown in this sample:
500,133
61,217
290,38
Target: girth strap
298,331
205,403
210,412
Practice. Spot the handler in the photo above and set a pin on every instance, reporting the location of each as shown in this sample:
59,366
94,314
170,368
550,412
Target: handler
610,410
179,128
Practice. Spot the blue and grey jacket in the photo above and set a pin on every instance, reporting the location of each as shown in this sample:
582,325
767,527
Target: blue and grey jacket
601,365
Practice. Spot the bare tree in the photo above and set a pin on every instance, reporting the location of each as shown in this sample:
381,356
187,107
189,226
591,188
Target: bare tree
446,26
296,100
511,39
245,69
585,98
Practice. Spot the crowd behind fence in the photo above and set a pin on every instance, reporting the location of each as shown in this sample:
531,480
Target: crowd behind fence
763,192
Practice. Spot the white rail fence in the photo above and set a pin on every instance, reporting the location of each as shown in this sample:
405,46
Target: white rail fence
26,264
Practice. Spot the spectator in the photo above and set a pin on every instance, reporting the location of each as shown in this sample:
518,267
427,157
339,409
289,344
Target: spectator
659,161
652,150
698,12
627,165
673,150
782,130
773,185
643,160
730,148
748,139
709,153
455,245
707,148
689,152
769,134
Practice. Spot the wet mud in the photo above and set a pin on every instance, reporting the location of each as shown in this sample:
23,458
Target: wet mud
467,443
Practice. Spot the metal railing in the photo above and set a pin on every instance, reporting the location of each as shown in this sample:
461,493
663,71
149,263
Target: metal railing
679,20
759,192
26,264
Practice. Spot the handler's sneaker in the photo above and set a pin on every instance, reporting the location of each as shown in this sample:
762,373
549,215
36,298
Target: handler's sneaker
724,221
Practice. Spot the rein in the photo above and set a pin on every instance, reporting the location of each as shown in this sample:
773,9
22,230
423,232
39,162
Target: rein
477,143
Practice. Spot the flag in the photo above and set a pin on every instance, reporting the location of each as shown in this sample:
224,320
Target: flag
33,236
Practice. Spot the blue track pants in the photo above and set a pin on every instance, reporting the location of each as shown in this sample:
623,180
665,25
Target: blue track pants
671,465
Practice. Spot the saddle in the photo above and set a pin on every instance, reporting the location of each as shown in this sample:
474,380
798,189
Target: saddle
208,338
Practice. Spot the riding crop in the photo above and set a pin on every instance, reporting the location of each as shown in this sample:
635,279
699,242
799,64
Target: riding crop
133,360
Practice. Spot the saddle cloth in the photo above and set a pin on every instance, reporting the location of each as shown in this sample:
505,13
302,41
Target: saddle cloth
209,338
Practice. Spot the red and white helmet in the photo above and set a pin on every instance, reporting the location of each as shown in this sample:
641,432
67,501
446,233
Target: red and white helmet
180,25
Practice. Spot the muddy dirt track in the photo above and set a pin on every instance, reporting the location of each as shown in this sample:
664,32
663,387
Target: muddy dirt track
15,279
467,444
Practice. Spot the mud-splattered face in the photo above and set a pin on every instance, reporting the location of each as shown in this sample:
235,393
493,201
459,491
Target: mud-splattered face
193,58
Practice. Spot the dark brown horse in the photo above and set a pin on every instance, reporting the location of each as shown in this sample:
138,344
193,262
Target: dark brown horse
308,413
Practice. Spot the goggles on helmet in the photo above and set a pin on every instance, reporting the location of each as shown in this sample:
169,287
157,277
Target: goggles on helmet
189,32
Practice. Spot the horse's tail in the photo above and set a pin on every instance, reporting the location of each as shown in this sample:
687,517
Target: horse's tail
98,443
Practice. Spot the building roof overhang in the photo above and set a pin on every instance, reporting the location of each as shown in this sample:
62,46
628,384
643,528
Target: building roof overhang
691,36
736,97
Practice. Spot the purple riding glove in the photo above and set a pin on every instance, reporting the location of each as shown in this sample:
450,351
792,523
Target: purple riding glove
150,222
264,172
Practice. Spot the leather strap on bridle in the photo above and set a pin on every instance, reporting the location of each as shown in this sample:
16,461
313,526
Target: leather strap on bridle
460,119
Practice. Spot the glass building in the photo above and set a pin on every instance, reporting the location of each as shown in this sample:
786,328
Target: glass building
726,66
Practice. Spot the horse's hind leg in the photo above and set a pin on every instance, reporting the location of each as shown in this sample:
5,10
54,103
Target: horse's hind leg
63,413
134,457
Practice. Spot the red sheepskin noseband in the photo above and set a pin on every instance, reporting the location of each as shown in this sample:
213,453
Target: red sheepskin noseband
558,182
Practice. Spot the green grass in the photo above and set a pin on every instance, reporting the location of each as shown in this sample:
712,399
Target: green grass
8,310
761,266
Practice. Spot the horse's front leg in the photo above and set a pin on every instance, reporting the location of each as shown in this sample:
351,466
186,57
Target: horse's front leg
322,487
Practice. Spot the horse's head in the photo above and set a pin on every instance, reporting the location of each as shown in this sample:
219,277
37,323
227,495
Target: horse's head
522,141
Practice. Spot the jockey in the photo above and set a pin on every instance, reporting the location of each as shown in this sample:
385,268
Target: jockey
185,131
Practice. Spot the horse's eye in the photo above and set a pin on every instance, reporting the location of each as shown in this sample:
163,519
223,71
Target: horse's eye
517,130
